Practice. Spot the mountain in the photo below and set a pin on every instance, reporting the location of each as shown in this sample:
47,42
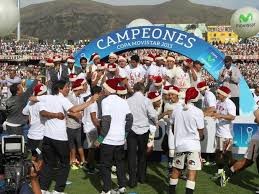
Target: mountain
86,19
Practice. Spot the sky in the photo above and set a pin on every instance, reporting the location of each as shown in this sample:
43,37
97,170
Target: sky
229,4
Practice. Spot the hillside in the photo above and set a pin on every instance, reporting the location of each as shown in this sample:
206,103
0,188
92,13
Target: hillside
85,19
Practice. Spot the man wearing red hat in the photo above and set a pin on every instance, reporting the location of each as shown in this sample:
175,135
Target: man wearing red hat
95,58
187,126
74,125
55,147
69,69
156,85
36,130
170,71
99,75
116,121
123,67
225,115
181,77
209,107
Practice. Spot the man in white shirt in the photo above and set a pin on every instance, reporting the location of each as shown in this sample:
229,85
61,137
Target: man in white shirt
74,125
209,108
251,156
91,126
116,121
55,147
225,115
36,130
187,126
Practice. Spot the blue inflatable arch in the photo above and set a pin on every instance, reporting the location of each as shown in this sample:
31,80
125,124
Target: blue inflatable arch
169,39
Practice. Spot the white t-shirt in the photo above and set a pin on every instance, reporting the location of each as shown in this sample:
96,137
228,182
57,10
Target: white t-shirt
136,74
36,130
209,100
93,66
173,107
55,128
117,108
186,124
87,121
181,79
123,72
155,70
224,128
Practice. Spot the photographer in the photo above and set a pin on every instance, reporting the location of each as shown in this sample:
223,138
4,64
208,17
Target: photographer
32,186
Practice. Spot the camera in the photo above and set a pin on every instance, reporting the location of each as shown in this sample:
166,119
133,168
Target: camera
15,166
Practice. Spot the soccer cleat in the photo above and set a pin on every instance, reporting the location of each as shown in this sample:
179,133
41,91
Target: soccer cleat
74,167
109,192
216,176
119,191
56,192
223,179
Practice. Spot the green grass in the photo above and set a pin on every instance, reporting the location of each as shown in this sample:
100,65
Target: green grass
243,183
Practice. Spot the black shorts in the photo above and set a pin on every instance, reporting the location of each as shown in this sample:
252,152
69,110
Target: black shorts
33,144
74,138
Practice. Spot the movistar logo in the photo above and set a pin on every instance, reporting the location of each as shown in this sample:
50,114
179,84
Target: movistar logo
210,59
245,18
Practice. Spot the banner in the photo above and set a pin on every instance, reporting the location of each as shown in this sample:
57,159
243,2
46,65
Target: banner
168,39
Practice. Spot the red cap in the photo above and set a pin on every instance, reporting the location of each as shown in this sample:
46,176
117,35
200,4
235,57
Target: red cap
225,91
202,86
174,90
70,59
158,81
49,62
154,96
39,89
94,56
191,95
121,90
78,84
72,77
111,67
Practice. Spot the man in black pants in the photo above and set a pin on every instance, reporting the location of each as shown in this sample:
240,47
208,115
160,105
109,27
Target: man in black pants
116,121
55,147
143,111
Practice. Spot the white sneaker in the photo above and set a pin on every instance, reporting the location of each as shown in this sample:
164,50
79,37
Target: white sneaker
119,191
56,192
109,192
45,192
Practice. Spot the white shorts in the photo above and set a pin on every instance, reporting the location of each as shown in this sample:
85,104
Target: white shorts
224,144
253,150
193,160
91,137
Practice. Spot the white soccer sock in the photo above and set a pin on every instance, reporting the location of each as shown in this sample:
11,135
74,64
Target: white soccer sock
173,181
232,169
220,171
190,184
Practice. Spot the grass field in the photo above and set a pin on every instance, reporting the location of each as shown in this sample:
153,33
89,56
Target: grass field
243,183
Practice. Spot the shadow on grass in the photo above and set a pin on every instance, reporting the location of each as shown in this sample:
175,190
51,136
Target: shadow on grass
157,183
157,168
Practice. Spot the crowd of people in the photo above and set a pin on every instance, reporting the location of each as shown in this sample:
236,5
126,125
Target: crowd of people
105,105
